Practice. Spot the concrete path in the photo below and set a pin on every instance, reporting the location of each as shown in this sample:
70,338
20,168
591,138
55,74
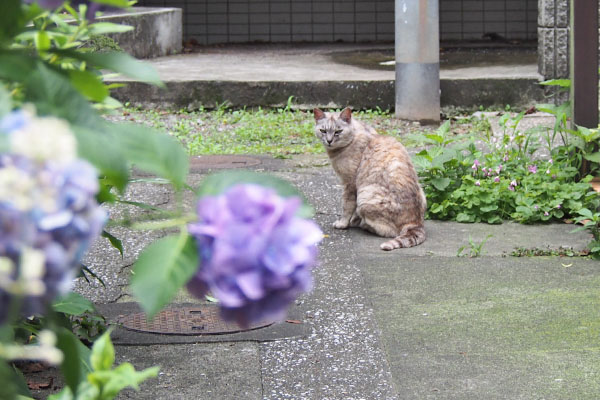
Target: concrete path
267,75
419,323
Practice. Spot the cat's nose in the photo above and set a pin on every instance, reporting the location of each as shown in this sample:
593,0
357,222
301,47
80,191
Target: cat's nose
329,140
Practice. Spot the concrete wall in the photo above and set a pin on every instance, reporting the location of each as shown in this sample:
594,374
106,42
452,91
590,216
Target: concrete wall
239,21
470,19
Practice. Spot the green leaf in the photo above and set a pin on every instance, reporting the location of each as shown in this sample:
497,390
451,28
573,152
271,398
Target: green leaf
115,242
73,304
464,217
153,151
99,147
103,353
594,157
114,3
88,84
218,183
435,138
64,394
42,41
125,375
564,83
71,367
162,269
440,183
119,62
13,383
586,213
102,28
491,207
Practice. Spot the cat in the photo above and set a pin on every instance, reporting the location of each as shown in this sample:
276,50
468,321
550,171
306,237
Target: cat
381,189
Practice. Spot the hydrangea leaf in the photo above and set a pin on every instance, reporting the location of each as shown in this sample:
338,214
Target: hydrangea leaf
89,85
103,353
119,62
71,366
153,151
102,28
218,183
161,270
73,304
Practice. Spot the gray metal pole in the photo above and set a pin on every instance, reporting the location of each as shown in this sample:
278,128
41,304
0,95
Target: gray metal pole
417,60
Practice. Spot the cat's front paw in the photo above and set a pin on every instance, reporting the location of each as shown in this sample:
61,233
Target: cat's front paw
341,224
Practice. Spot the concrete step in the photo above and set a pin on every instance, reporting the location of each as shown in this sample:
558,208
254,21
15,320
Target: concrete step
268,75
157,31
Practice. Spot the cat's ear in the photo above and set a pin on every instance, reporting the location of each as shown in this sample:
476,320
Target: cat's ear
318,114
346,115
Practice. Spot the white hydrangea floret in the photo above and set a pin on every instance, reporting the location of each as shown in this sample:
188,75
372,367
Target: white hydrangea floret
16,187
32,272
44,350
45,139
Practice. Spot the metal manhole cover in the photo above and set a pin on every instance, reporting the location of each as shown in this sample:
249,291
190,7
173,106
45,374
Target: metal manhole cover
200,320
222,161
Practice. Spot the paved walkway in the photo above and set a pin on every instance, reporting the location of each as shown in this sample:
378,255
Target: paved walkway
418,323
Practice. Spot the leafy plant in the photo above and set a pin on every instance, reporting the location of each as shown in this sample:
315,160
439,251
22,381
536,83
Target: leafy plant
102,381
591,222
475,248
491,179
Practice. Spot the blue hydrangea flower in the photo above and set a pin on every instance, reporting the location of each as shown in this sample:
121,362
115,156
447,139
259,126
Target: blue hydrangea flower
256,254
48,214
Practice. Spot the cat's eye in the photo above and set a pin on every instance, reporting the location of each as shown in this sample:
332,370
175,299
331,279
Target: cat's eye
338,132
323,130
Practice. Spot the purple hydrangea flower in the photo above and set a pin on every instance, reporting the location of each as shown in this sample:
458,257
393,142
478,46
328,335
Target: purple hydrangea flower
496,179
475,165
477,183
532,169
256,255
48,218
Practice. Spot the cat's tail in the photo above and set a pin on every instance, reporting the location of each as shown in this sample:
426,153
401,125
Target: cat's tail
411,235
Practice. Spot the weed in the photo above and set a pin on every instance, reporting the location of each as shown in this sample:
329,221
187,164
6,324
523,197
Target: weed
548,252
475,248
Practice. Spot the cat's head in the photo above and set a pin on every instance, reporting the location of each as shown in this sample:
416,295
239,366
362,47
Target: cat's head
334,129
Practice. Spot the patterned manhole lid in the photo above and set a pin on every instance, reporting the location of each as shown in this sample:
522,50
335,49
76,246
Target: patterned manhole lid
199,320
222,161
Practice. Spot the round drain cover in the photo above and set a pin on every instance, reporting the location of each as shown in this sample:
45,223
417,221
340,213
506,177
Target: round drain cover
200,320
222,161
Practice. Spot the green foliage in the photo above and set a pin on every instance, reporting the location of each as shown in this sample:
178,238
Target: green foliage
591,222
475,248
499,179
103,382
102,44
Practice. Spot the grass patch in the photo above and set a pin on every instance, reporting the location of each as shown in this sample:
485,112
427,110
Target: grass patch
279,132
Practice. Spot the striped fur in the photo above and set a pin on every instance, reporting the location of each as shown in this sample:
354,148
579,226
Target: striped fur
381,189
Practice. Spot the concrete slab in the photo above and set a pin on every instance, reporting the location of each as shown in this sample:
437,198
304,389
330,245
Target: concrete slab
493,328
217,371
267,75
445,239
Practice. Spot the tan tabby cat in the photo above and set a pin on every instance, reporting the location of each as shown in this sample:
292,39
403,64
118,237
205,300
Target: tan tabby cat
381,189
